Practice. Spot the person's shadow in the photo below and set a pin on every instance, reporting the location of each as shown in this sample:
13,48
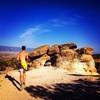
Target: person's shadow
14,81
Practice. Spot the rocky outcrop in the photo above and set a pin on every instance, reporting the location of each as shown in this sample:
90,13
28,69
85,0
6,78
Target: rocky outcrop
39,51
85,62
54,49
66,56
68,45
40,61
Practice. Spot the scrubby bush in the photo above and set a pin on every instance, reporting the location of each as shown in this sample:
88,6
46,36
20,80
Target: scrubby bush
8,63
2,65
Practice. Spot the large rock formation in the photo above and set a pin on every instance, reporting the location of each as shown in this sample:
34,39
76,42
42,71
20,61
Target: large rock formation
65,56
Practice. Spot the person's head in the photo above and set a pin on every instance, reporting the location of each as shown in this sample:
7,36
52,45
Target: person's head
23,47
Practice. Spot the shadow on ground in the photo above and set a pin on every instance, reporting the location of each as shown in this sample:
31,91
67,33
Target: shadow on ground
80,90
14,81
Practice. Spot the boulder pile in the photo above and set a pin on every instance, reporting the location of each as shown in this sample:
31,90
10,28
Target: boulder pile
67,56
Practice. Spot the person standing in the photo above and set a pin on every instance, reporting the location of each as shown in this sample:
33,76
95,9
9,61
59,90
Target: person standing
22,58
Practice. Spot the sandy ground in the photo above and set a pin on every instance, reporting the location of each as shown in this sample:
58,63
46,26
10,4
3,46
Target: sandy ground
47,83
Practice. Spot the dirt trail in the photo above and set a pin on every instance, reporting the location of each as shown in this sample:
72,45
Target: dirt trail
43,78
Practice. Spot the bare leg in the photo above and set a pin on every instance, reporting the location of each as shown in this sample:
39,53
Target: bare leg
24,77
21,77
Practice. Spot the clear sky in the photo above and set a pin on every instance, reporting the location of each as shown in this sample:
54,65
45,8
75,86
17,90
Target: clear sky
37,22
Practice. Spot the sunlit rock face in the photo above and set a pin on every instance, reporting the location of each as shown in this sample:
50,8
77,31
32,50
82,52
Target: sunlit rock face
80,62
81,68
65,59
65,56
54,49
87,58
39,51
40,61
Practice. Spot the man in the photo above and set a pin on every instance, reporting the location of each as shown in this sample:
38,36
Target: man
22,59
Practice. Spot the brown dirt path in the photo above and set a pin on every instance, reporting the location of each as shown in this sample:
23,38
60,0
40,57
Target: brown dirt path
45,77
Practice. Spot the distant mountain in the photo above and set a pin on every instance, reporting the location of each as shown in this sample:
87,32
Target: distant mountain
12,49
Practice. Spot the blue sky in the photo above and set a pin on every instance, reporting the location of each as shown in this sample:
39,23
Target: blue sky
38,22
